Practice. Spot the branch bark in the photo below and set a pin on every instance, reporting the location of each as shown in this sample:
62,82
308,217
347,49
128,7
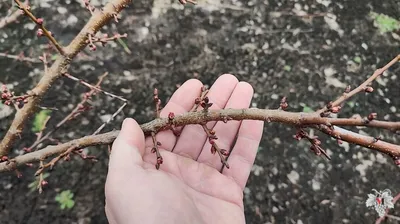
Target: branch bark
201,117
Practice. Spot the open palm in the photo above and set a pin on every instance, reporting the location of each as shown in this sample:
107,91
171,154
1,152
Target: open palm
191,185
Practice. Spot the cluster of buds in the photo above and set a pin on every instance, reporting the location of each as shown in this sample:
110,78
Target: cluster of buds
103,40
8,98
40,31
300,134
333,109
159,158
315,143
203,102
223,153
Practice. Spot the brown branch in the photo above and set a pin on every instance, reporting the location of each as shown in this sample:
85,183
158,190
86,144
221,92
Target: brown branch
42,30
200,117
20,57
73,114
59,67
361,87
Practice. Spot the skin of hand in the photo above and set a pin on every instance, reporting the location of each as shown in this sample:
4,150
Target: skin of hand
191,186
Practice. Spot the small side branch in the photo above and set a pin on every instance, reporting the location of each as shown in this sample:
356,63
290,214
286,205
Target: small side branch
42,31
365,86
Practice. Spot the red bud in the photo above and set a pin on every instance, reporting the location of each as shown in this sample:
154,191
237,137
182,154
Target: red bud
39,32
372,116
171,115
160,160
44,183
335,109
39,21
224,152
369,89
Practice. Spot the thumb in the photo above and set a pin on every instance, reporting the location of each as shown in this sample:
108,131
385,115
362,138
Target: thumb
128,148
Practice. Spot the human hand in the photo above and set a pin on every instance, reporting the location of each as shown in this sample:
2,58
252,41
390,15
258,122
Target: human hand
191,185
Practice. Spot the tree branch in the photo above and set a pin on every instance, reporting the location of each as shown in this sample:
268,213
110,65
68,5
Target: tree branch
200,117
361,87
59,67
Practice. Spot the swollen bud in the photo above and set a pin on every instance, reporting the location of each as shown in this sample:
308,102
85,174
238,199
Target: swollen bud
39,32
224,152
39,21
160,160
369,89
44,183
372,116
335,109
171,116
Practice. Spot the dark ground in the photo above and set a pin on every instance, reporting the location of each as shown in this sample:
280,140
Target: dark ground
255,40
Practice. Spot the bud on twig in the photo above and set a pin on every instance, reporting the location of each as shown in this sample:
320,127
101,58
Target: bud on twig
372,116
39,32
335,109
171,116
284,105
39,21
369,89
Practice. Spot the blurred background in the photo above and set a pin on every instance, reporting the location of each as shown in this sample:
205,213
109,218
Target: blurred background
308,51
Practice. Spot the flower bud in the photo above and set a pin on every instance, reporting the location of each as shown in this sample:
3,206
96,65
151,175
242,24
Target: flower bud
213,150
171,116
372,116
39,21
44,183
39,32
369,89
335,109
224,152
160,160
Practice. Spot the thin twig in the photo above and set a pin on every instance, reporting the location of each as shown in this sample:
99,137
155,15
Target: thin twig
46,32
94,87
361,87
11,18
73,114
20,57
110,119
